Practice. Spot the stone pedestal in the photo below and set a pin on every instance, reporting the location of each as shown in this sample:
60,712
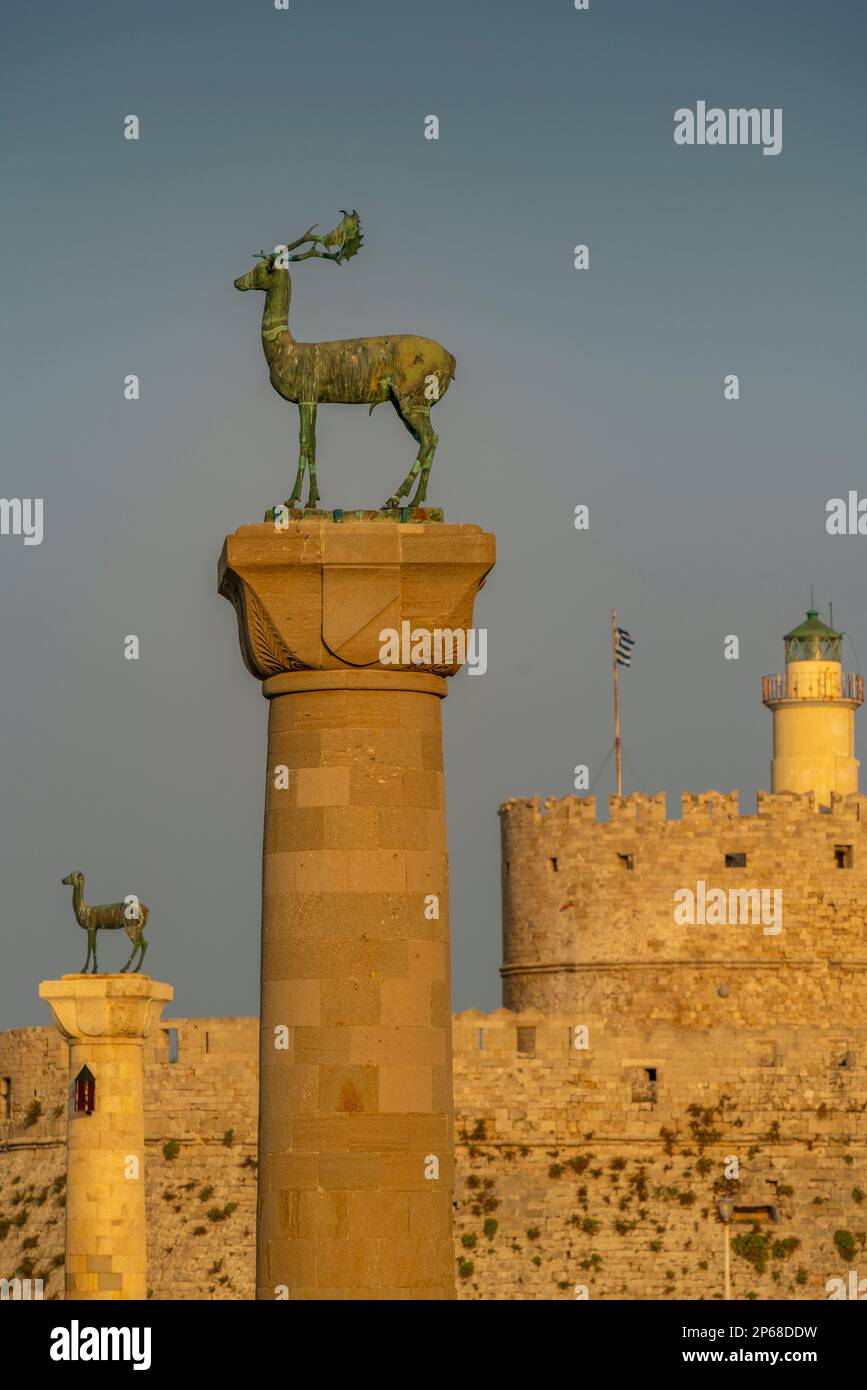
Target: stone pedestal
105,1019
355,1118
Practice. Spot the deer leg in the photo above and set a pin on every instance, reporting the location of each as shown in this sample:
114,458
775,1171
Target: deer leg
295,495
408,418
429,441
89,949
394,501
95,970
308,436
134,940
143,945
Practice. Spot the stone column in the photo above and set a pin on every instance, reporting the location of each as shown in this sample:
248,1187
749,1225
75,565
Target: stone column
105,1019
355,1117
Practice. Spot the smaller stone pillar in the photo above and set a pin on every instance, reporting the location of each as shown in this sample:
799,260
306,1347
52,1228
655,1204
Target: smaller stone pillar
105,1019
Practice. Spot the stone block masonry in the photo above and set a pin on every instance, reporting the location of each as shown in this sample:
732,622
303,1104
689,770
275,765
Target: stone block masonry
600,1165
600,1169
105,1020
200,1157
356,1146
588,910
615,1172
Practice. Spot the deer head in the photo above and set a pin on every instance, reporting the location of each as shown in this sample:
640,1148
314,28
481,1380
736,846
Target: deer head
258,278
345,237
73,880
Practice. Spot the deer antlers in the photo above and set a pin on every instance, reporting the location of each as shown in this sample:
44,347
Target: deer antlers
308,236
346,237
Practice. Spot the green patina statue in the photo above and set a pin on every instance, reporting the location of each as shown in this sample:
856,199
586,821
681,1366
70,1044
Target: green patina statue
413,373
130,914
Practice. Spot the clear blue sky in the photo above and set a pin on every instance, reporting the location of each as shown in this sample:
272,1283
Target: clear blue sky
601,387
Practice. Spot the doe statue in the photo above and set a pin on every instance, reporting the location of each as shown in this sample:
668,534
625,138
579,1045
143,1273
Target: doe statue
130,914
413,373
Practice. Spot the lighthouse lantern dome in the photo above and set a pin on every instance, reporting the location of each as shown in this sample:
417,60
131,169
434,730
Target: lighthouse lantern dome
813,640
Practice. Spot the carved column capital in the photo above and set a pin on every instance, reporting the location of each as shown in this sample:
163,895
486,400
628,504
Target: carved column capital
316,594
115,1008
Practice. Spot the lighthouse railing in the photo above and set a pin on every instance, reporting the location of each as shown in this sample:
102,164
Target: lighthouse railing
813,685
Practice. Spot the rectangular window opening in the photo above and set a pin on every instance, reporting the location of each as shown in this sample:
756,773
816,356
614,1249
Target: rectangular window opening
757,1214
627,860
5,1097
554,865
526,1042
843,856
644,1083
172,1034
736,861
481,1039
773,1057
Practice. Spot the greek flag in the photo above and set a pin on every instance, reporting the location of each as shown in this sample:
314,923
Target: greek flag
623,649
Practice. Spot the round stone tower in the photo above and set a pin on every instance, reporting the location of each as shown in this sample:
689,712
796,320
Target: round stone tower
814,705
608,917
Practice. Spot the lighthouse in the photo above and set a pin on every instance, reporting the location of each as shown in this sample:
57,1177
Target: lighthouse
814,706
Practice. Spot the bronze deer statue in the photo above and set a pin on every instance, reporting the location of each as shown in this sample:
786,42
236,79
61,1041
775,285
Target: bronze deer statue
130,914
413,373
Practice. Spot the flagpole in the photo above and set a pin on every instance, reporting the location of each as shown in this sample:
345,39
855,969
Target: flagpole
616,703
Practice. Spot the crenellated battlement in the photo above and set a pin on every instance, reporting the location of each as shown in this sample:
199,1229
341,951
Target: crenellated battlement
713,919
674,985
639,808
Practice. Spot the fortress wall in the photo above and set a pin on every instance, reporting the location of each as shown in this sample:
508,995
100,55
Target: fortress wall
206,1102
616,1178
34,1062
643,1204
588,909
196,1248
33,1072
